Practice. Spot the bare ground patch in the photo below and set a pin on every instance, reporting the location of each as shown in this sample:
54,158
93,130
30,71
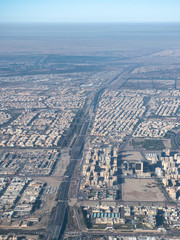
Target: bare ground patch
132,156
141,190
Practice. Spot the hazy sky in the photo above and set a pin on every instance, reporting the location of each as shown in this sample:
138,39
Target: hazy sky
89,10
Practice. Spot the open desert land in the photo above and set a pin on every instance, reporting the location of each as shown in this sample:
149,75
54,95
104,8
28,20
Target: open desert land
131,156
141,190
149,84
62,164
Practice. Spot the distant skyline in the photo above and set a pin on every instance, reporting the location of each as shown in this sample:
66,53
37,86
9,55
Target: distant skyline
89,11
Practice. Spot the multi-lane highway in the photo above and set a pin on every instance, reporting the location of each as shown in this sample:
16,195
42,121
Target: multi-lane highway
58,220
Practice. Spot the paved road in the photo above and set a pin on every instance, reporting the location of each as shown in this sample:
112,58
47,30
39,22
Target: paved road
61,209
59,220
59,216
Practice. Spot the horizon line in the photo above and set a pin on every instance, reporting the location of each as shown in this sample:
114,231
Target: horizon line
118,22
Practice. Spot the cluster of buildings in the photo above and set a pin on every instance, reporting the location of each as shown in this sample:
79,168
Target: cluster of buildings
164,103
109,216
102,194
101,77
126,217
9,164
38,162
21,100
28,200
11,237
100,168
38,97
141,238
67,98
24,119
19,198
118,114
4,117
33,129
11,194
145,69
169,172
3,184
168,106
154,128
137,169
36,117
18,237
39,126
152,157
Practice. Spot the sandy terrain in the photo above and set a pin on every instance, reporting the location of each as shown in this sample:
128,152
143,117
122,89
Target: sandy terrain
141,190
132,156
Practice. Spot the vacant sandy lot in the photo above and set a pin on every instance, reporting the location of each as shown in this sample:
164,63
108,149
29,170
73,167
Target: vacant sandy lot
141,190
167,143
132,156
62,163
